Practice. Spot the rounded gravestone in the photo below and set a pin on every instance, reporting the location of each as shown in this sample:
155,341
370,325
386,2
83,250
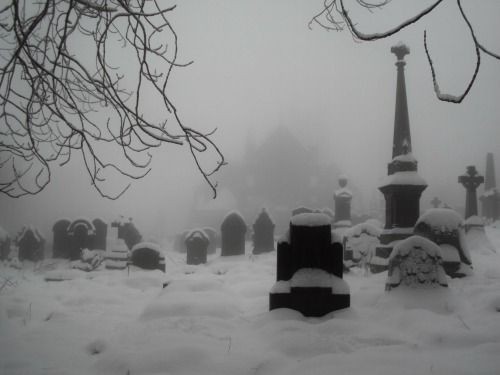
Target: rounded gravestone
415,262
233,230
31,244
263,236
146,255
197,242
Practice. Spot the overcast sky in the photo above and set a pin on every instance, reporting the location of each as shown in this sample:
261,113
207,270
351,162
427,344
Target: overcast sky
257,65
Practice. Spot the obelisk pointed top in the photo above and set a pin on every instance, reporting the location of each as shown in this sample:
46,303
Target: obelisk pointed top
402,138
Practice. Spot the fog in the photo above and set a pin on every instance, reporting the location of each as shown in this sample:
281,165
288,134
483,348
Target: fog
258,66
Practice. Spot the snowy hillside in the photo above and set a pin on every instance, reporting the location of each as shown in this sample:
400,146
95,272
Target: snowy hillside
214,319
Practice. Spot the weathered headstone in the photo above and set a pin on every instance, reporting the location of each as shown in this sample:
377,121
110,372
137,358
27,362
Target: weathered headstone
61,244
342,198
147,255
197,242
471,181
263,233
30,243
445,227
81,233
415,262
309,269
233,229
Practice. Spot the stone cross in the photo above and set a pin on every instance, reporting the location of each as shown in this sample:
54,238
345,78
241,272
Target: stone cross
436,202
471,181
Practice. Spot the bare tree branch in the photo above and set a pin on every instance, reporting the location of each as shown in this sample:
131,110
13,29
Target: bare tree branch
56,101
335,16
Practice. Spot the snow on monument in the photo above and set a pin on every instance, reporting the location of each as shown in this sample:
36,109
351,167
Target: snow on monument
403,186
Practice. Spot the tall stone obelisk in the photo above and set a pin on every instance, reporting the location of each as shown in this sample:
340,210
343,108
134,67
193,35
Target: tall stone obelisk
403,186
490,199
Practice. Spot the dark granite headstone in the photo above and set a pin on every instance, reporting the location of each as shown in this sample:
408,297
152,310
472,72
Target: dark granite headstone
31,244
61,244
101,232
197,242
233,230
309,269
263,236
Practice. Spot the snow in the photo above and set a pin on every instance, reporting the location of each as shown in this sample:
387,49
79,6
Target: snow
416,262
215,320
146,245
407,158
404,178
314,277
310,220
474,220
366,228
441,218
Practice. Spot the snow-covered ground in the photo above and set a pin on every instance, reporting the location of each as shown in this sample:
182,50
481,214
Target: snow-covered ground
214,319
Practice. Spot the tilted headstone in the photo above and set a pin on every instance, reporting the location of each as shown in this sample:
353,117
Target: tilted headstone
309,268
61,243
415,262
197,242
233,230
445,227
263,233
147,255
30,243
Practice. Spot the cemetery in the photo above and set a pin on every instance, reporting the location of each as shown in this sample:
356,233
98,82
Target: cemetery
411,290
